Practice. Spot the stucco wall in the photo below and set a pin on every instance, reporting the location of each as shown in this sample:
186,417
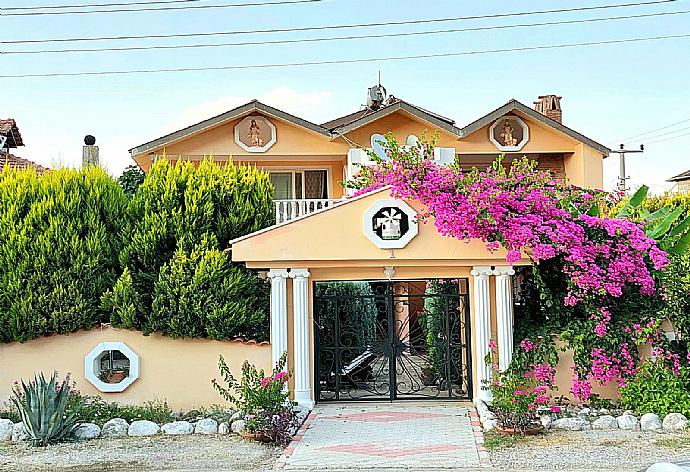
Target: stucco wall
176,370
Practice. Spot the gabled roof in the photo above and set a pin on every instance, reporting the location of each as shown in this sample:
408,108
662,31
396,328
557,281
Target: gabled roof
230,115
680,177
514,105
9,129
361,118
19,163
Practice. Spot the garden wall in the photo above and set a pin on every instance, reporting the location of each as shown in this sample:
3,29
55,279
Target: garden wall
176,370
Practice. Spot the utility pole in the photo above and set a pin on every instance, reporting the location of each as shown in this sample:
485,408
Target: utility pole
622,177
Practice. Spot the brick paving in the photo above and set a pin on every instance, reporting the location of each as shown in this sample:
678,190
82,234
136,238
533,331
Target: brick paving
385,436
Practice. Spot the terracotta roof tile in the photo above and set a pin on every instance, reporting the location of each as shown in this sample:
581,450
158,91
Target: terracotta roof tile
9,128
20,163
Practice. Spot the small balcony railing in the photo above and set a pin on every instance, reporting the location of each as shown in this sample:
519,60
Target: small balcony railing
287,210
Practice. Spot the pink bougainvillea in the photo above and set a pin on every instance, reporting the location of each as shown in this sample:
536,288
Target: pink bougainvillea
531,215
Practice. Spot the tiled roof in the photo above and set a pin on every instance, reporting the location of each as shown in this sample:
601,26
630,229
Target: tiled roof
680,177
9,128
19,163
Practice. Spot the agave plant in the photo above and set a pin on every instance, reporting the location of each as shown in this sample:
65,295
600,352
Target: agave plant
42,405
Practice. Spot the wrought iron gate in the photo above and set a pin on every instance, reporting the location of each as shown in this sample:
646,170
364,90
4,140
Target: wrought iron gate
392,340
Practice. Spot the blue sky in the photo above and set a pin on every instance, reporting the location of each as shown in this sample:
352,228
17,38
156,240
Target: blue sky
609,91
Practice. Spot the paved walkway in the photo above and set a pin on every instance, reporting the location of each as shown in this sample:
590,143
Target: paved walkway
371,436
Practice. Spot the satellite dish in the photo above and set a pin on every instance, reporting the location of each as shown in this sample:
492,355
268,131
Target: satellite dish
377,146
412,140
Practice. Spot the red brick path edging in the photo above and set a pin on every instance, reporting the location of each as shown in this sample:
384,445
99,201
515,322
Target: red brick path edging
484,458
287,452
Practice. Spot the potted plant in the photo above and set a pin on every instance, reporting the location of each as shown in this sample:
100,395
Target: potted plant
429,376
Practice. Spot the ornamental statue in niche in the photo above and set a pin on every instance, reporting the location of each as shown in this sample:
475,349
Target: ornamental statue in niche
255,134
507,134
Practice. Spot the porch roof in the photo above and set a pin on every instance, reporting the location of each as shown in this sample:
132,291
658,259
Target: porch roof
335,238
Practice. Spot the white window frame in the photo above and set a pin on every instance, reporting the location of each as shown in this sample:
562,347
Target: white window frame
92,368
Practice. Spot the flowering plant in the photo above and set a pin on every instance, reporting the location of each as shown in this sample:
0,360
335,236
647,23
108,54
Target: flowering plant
534,216
263,398
518,394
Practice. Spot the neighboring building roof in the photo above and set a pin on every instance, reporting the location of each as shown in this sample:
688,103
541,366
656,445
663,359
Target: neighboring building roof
230,115
361,118
9,128
680,177
20,163
522,108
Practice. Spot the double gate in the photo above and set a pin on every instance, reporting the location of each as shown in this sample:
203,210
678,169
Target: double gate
390,340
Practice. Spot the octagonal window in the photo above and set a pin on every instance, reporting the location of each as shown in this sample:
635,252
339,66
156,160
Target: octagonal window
509,133
111,367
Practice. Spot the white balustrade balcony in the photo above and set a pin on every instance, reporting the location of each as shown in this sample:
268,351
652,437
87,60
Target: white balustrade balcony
287,210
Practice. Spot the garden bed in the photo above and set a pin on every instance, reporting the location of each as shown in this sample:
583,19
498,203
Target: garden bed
216,452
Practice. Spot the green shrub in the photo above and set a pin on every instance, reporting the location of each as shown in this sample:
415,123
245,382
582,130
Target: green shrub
179,205
130,180
96,410
203,295
657,389
58,250
9,412
42,406
123,303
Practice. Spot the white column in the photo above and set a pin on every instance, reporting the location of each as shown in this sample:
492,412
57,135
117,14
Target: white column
482,328
300,302
279,336
504,315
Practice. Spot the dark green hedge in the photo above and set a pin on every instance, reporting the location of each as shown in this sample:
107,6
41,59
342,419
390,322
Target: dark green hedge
76,251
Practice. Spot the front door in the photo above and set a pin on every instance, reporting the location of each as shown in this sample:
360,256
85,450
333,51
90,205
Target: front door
392,340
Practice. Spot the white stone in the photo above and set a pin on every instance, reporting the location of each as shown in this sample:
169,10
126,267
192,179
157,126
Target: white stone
86,431
585,412
6,427
143,428
19,433
605,422
206,426
238,415
177,428
571,424
223,428
546,420
626,421
604,411
665,467
650,422
490,424
675,422
115,428
237,426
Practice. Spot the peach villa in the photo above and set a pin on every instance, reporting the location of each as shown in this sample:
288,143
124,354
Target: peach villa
376,340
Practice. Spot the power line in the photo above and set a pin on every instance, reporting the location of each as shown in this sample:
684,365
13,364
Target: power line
666,134
651,131
344,61
91,5
669,139
189,7
342,38
343,26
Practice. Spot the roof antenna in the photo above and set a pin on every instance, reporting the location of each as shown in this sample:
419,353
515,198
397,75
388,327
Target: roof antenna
379,77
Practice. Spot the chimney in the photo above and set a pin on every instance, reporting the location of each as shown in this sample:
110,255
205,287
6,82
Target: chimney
89,155
550,106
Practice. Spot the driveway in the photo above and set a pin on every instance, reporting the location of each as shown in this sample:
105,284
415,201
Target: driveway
387,436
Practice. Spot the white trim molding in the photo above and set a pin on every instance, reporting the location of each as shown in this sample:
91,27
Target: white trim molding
482,328
302,348
519,145
92,367
279,328
504,315
413,225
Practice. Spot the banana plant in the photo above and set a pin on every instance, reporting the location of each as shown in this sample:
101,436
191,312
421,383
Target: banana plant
42,405
663,225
